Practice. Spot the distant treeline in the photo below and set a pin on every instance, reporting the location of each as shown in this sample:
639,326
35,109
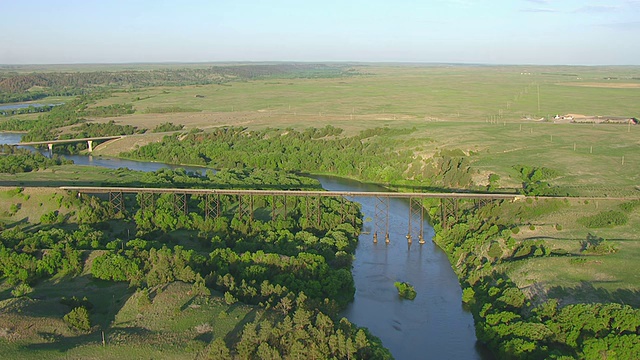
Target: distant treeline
19,87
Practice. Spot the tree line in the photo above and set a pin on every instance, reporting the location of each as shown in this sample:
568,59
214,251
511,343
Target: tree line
506,321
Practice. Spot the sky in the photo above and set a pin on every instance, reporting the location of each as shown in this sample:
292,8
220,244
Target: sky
553,32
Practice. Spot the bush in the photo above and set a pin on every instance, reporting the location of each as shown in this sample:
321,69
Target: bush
495,251
78,319
229,298
21,290
609,218
515,230
532,227
558,227
52,217
74,302
468,295
629,206
405,290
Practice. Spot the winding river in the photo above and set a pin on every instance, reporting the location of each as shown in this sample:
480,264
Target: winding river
433,326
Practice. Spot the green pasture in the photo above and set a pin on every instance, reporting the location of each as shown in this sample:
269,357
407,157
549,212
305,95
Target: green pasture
424,92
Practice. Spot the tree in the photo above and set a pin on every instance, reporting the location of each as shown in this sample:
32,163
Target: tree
78,318
219,350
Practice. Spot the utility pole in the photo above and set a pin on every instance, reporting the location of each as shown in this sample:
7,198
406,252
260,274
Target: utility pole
538,86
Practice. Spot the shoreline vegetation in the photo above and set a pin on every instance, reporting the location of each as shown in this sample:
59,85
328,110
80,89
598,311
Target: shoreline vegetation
543,278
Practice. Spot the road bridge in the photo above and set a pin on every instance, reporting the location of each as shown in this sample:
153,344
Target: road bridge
245,200
50,143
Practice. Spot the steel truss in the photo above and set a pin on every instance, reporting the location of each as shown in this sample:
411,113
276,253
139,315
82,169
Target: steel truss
416,221
116,199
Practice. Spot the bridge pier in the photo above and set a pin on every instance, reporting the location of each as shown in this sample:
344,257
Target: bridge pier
416,220
90,145
448,208
116,199
245,208
278,202
180,203
313,209
147,200
212,206
50,146
381,219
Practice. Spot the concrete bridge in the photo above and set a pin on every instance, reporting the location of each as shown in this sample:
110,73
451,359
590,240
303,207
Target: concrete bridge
50,143
245,200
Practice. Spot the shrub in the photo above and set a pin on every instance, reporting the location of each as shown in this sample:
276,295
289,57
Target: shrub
577,261
558,227
74,302
532,227
597,245
78,319
21,290
468,295
229,298
515,230
405,290
609,218
495,251
629,206
52,217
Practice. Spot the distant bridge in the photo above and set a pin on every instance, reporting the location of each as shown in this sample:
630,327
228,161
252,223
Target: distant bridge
50,143
449,203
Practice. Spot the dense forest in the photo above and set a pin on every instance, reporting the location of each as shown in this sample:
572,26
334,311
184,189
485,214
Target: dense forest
296,268
371,155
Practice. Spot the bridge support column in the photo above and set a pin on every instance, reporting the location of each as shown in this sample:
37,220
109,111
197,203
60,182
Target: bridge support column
346,207
278,202
313,210
416,220
50,146
245,207
180,203
90,145
212,206
448,208
478,203
381,219
147,200
116,200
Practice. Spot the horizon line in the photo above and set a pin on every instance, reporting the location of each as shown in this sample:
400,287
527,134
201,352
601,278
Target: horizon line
268,62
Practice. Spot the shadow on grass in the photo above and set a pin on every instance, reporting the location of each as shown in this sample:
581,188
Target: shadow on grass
234,335
586,292
63,344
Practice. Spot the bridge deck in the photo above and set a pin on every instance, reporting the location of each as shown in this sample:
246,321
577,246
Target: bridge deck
453,195
66,141
97,190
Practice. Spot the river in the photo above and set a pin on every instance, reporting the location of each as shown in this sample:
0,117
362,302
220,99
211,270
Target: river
432,326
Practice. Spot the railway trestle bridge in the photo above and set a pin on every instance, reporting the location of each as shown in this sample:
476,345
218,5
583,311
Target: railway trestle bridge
449,203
